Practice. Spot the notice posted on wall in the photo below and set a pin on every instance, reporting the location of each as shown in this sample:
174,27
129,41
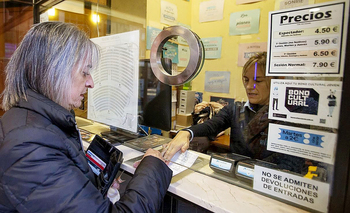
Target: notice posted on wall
305,143
168,13
306,102
247,50
244,22
211,10
305,192
184,55
217,81
308,41
212,47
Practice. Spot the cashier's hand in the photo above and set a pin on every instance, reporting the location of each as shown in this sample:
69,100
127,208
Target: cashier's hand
180,142
150,152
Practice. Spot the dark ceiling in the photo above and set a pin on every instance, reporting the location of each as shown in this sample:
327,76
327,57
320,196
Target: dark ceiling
20,3
15,3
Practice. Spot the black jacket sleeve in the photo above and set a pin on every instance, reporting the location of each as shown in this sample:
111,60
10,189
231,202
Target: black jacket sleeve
46,180
147,188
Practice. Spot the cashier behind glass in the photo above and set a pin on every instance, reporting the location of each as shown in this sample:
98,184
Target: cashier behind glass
248,122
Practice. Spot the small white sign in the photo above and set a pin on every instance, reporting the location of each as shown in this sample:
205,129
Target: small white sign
306,102
306,192
308,41
217,81
286,4
304,143
168,13
184,56
211,10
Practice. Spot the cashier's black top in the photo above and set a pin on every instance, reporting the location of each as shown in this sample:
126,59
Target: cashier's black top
43,167
248,134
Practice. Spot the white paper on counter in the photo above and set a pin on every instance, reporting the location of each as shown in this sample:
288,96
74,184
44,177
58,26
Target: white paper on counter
185,159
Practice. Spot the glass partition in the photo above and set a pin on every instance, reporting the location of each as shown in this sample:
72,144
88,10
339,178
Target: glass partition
286,108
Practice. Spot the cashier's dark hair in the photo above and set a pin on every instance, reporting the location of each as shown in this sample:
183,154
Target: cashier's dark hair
45,62
259,58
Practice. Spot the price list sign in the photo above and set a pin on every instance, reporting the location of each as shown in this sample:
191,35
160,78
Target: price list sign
308,41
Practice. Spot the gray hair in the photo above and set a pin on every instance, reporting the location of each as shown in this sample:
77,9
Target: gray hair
45,60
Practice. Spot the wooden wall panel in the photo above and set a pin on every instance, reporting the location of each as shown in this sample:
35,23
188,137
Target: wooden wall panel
15,21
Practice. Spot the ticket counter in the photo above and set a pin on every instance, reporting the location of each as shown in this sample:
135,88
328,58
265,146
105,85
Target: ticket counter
200,187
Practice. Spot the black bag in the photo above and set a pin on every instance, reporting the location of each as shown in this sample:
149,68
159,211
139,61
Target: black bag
104,160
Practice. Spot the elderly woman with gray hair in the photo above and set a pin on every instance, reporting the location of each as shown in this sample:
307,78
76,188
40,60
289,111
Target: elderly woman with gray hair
43,167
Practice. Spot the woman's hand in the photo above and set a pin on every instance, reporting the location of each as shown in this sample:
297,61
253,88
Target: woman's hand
180,142
113,191
116,182
150,152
